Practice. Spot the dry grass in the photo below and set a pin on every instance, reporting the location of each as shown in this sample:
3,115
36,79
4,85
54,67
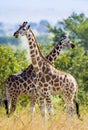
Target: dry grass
21,121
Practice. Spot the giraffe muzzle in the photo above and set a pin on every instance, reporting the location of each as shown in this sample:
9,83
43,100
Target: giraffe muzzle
15,35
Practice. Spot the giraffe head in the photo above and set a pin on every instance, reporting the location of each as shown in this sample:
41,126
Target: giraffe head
22,30
66,42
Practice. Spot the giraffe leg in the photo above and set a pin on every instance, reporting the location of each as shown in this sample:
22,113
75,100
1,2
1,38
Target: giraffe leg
7,106
13,104
32,104
43,107
7,101
50,107
70,110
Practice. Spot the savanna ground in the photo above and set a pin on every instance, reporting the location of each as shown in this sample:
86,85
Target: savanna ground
21,120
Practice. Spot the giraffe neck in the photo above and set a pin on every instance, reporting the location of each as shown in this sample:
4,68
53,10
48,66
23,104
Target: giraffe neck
55,52
35,53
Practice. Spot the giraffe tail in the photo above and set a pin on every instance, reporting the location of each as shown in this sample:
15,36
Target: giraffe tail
77,109
77,104
6,105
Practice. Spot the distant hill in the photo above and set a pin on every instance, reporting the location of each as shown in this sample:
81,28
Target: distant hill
40,29
8,29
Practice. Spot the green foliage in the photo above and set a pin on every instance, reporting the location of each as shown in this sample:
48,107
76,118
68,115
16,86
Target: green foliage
11,62
77,28
75,62
57,33
77,25
46,48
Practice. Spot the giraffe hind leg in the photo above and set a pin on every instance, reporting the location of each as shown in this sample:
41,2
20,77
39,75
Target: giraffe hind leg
70,110
6,107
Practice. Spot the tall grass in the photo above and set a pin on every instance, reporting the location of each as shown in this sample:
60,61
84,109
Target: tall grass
21,120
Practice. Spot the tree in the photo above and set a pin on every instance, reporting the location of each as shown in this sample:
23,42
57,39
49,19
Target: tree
11,62
74,61
57,33
76,26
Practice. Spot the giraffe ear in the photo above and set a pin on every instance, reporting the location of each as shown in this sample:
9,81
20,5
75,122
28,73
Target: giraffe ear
24,24
72,45
64,36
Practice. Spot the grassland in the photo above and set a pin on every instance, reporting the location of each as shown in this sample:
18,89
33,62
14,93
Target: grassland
21,120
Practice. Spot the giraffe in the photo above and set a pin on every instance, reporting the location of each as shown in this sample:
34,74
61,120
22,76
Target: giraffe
48,79
20,79
20,84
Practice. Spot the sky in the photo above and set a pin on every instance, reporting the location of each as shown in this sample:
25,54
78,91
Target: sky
17,11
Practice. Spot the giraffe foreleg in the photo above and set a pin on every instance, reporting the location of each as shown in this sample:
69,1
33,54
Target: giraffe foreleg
49,106
32,103
42,106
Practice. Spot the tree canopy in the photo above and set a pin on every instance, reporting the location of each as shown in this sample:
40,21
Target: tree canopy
74,61
11,62
76,26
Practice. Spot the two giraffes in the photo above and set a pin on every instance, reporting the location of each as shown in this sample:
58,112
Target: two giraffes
41,79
